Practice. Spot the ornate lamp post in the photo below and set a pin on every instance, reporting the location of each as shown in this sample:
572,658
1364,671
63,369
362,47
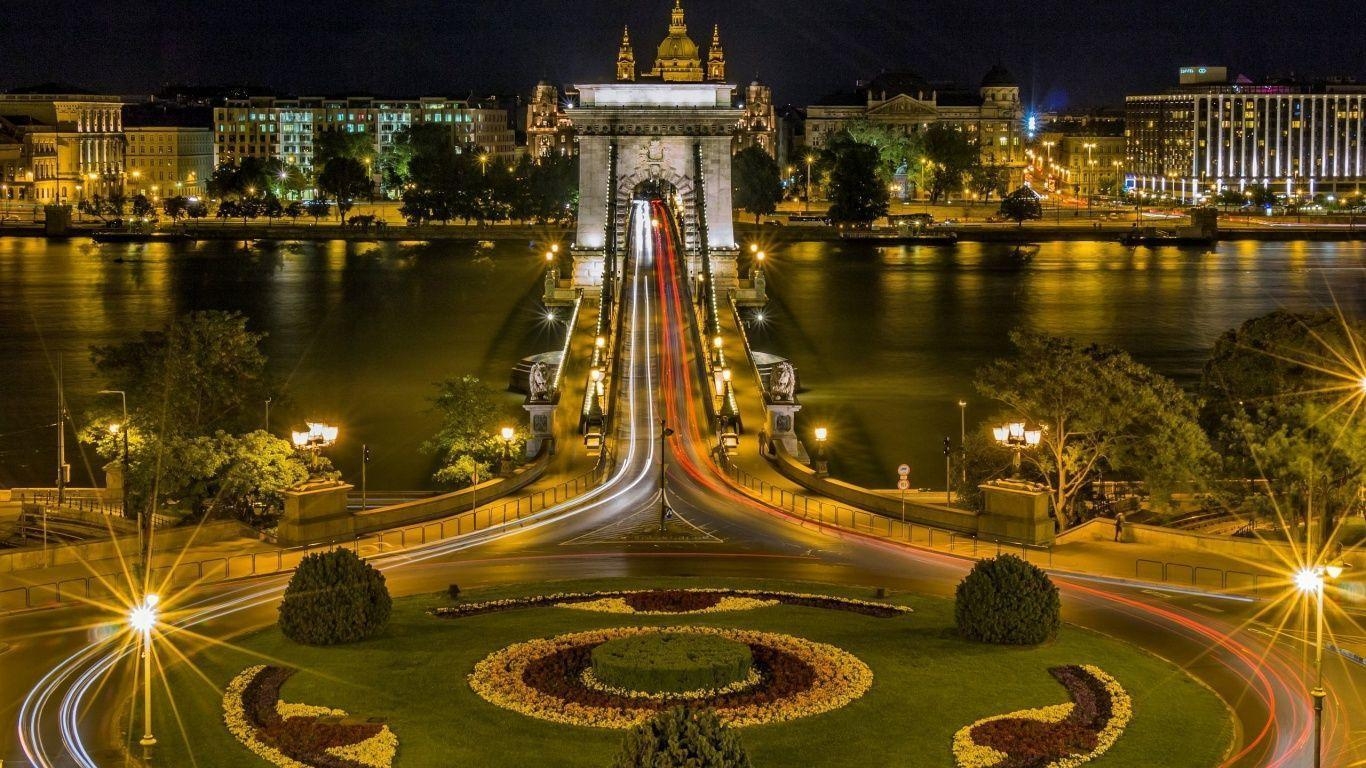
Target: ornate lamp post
822,467
506,469
117,429
1311,581
142,619
1015,437
313,441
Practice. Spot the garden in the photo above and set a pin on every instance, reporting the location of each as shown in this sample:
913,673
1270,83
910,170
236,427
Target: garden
793,673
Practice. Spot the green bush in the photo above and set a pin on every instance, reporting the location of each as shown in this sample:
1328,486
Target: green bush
682,738
334,597
671,662
1008,601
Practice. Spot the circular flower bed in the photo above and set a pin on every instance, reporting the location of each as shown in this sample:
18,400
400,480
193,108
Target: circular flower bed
545,679
669,662
1058,736
674,602
300,735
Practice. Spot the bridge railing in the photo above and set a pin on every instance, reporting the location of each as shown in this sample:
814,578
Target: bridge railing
100,588
816,511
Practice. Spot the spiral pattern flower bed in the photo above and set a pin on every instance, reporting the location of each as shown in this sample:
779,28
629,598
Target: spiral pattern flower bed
1058,736
545,679
674,602
300,735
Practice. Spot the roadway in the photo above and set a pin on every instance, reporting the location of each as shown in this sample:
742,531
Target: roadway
72,667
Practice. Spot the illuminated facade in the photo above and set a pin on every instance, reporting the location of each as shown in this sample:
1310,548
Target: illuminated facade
677,59
71,146
1299,140
168,160
992,115
285,129
549,130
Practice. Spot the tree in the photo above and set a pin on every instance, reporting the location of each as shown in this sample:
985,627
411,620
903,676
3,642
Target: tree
1283,395
682,737
900,152
468,440
331,145
334,597
856,194
951,154
345,180
755,182
203,372
554,187
1021,205
294,210
1097,408
176,207
987,179
318,209
1008,601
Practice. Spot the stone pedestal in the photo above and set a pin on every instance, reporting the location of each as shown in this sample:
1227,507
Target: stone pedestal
316,512
542,427
589,265
1016,511
781,426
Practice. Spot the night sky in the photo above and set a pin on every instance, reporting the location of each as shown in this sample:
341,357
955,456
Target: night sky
1066,53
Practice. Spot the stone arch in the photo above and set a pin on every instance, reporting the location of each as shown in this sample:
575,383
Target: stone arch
684,184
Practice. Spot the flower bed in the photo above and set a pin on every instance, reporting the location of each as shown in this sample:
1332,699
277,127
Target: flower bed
671,663
545,679
300,735
1058,736
674,602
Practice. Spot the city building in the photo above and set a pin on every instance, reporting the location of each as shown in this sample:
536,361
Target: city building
169,150
992,115
1082,153
70,145
285,128
1212,132
548,129
678,60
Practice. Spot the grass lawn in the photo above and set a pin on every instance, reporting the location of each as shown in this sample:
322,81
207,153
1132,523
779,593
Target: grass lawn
927,684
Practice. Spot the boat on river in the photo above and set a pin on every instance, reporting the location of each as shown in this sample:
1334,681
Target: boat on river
135,236
901,236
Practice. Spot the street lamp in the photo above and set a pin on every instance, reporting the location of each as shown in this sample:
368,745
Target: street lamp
1015,437
506,469
142,619
963,437
314,440
822,467
809,160
115,429
1311,581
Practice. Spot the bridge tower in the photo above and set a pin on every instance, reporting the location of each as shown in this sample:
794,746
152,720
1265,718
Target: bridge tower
664,136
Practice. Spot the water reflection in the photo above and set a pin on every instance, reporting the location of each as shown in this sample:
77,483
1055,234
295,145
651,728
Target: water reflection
886,339
358,331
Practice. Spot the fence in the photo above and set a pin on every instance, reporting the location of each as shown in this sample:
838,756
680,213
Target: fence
821,512
1199,576
181,574
81,501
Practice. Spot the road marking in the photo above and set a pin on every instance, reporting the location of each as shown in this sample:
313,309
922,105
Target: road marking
1157,594
1208,607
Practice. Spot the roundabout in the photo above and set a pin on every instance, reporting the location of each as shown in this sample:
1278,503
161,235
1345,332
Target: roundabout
498,688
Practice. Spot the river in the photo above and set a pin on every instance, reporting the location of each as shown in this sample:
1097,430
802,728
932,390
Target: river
885,339
357,332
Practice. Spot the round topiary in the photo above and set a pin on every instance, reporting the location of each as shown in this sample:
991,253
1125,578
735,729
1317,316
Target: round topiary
1008,601
671,662
682,738
334,597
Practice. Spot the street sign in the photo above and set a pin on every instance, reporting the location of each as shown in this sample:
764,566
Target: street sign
904,470
903,484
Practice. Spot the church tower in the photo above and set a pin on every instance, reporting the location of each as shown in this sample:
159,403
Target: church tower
626,58
678,60
716,58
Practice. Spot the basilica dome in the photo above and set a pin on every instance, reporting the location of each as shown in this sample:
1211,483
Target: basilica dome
678,46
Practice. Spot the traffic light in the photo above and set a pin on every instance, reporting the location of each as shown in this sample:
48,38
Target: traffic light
365,450
948,446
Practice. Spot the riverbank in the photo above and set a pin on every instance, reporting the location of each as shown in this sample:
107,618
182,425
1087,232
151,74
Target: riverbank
1035,232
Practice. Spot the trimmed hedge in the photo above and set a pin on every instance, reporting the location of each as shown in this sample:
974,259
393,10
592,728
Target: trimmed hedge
682,738
660,662
1008,601
334,597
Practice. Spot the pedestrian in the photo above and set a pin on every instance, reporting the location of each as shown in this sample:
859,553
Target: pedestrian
1119,525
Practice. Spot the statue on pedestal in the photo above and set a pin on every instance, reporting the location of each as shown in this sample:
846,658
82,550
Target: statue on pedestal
783,382
539,380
